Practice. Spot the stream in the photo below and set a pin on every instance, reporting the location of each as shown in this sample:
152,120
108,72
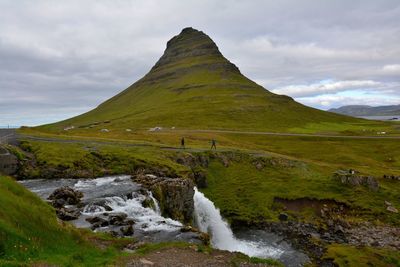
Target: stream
119,194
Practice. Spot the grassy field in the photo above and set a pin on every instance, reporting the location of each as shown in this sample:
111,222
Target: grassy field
304,168
293,168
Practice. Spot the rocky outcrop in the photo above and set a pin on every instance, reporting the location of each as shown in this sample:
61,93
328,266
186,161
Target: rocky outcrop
119,223
8,162
175,195
66,196
391,177
353,178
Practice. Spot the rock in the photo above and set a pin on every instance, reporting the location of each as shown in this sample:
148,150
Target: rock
58,203
146,262
353,178
148,203
315,236
387,203
343,223
127,230
95,220
67,214
339,229
8,162
371,183
97,204
117,218
186,228
200,179
392,209
100,224
130,222
326,235
67,194
283,217
174,195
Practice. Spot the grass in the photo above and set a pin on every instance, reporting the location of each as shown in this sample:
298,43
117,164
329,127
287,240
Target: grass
294,167
246,195
99,159
30,233
345,255
241,191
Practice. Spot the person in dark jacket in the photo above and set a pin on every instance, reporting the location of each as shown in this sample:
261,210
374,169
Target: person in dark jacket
213,144
183,143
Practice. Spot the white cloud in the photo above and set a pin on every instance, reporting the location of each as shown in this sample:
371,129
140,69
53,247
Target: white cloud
335,100
324,87
392,69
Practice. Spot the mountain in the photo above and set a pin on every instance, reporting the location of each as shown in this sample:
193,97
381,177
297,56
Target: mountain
363,110
193,86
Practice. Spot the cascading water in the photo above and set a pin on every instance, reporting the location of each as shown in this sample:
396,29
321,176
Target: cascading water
209,220
156,206
118,194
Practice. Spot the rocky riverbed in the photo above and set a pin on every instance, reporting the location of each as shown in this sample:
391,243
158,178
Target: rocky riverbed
124,207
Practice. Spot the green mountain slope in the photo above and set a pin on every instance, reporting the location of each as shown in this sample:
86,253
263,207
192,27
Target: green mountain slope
193,86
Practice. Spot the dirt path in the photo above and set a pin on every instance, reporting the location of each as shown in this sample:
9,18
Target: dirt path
188,257
292,134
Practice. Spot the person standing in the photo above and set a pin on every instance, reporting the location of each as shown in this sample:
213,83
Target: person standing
183,143
213,144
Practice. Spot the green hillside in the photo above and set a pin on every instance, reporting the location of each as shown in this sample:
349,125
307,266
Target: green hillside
30,233
193,86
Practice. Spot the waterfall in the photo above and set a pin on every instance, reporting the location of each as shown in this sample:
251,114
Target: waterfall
156,206
209,220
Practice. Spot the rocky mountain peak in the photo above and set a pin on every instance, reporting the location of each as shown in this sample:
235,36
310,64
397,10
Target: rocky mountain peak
189,46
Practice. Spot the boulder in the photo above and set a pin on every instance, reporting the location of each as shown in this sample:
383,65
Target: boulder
174,195
200,179
127,230
67,214
353,178
392,209
66,194
283,217
117,218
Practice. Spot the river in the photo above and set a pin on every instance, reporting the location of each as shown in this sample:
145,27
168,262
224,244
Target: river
122,195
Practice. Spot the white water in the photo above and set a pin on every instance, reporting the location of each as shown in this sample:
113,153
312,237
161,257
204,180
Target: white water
146,218
156,206
209,220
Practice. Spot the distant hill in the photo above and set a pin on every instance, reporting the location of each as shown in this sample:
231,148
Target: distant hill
193,86
363,110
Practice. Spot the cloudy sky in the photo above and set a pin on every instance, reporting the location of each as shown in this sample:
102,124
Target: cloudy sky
61,58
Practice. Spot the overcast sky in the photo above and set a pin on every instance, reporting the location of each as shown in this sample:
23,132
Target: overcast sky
61,58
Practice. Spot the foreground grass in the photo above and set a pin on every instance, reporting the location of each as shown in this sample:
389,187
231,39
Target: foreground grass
345,255
30,233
